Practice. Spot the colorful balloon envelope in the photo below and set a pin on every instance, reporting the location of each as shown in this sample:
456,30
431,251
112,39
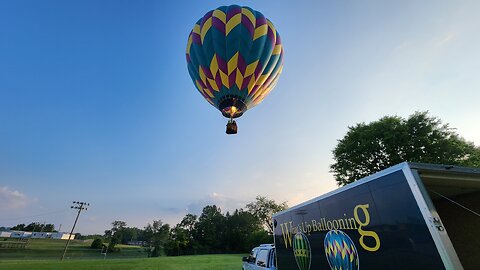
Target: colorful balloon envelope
340,251
302,251
234,57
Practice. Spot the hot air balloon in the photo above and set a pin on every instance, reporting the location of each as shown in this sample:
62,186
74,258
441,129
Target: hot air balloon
340,251
302,251
234,57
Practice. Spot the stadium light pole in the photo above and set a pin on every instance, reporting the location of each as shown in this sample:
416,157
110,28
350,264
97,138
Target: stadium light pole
79,206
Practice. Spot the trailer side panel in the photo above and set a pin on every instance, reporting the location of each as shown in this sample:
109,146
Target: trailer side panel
373,225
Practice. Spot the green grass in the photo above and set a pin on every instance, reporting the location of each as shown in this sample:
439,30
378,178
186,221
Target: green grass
47,249
44,254
200,262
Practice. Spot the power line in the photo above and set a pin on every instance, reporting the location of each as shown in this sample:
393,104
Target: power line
454,202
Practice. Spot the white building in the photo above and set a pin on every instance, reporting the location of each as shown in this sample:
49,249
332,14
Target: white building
37,235
20,234
40,235
62,235
5,234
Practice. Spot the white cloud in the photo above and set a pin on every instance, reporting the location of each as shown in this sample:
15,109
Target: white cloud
12,199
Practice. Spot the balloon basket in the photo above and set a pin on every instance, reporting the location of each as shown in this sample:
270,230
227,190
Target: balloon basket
231,127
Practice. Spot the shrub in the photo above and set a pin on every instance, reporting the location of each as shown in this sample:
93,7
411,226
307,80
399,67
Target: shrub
97,243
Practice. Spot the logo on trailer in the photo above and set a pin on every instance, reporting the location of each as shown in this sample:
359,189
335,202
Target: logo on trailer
340,251
302,251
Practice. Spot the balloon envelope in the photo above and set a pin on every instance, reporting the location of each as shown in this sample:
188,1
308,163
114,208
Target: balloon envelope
340,251
302,251
234,57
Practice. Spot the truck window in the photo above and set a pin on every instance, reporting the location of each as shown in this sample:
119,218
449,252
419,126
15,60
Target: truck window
253,256
262,257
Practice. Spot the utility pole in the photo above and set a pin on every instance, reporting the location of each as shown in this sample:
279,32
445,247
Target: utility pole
79,206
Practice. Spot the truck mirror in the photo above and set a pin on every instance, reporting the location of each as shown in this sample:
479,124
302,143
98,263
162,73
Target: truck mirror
245,259
261,264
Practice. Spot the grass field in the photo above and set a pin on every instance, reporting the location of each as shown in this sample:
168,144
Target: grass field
47,249
199,262
44,254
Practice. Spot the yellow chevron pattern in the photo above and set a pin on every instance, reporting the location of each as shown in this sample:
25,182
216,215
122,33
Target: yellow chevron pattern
263,83
234,21
220,15
277,49
206,26
232,63
189,44
213,75
224,78
214,66
260,31
249,15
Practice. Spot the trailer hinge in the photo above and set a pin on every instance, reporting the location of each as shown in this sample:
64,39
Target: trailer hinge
437,223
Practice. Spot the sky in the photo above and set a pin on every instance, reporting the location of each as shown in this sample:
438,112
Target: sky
96,103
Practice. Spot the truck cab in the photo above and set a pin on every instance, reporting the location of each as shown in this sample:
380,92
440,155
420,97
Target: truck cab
260,258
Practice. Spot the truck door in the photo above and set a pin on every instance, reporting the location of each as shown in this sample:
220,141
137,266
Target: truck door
262,259
251,265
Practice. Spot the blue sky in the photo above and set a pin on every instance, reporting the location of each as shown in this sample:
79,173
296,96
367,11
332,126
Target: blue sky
96,103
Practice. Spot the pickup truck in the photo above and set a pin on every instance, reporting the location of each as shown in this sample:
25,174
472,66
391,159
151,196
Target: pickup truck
260,258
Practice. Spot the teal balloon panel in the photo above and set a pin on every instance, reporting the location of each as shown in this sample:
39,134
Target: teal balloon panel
340,251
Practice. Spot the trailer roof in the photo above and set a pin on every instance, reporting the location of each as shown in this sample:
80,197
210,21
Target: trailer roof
448,180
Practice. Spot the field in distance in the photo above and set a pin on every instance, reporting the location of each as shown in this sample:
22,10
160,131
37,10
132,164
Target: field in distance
198,262
47,249
44,254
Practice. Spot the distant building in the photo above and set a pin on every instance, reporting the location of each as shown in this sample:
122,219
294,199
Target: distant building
37,235
136,243
40,235
20,234
62,236
5,234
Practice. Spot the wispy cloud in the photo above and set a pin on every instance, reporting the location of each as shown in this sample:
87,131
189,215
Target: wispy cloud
224,202
444,39
403,45
13,199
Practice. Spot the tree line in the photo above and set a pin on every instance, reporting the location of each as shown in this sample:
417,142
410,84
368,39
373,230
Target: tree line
210,232
34,227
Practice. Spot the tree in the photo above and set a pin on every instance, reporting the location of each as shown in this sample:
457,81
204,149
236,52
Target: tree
181,237
210,229
369,148
263,209
97,243
34,227
19,227
115,234
157,237
49,228
130,234
241,230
